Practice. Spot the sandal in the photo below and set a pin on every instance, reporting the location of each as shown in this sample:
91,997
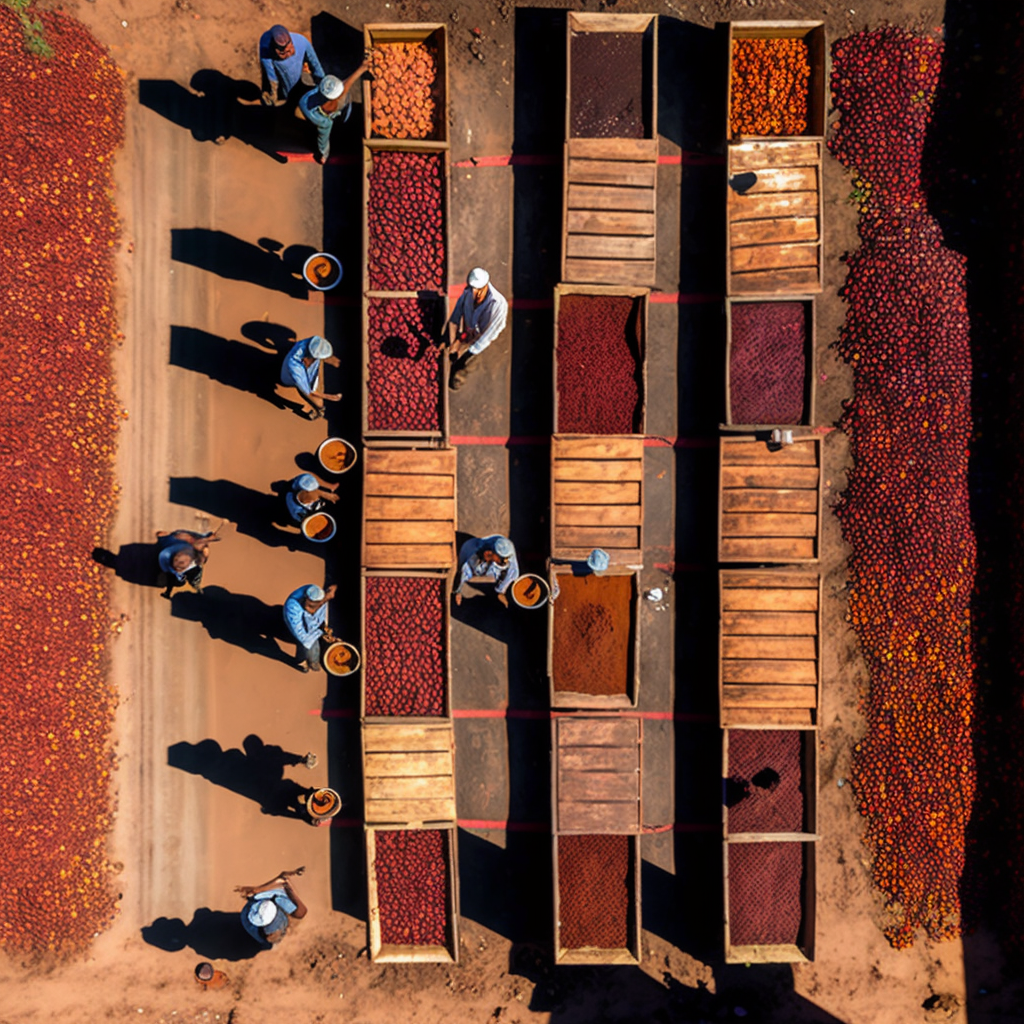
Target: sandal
311,414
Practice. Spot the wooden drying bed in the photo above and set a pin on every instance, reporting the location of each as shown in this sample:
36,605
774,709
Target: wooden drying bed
775,224
597,497
596,775
769,667
408,773
769,501
610,214
409,508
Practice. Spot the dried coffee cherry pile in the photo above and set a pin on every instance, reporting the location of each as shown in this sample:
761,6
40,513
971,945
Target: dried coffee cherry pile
58,229
412,886
770,86
406,222
599,364
764,893
404,657
405,104
768,362
403,388
594,891
905,512
607,85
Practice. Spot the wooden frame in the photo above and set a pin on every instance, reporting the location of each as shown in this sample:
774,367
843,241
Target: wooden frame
592,701
380,953
813,33
397,32
810,367
597,290
445,578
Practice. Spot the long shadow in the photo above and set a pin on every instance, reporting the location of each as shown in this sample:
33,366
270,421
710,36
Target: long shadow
255,772
213,934
238,619
134,563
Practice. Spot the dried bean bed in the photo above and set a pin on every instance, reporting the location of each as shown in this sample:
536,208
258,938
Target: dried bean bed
593,635
599,365
770,87
411,869
405,91
764,893
751,751
403,673
607,85
406,222
60,426
594,875
768,362
403,380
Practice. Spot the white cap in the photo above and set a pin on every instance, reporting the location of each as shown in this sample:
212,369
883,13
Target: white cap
478,277
503,547
319,348
262,913
306,482
331,87
314,593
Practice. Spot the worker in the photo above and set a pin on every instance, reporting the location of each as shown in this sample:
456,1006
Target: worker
479,316
305,613
181,555
269,907
301,369
486,560
331,99
284,58
307,495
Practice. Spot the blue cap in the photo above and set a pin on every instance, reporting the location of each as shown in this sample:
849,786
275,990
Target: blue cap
503,547
306,482
598,560
314,593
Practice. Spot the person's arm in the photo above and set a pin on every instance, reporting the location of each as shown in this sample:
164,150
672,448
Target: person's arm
455,321
496,324
315,68
354,77
300,907
276,882
295,619
510,574
465,574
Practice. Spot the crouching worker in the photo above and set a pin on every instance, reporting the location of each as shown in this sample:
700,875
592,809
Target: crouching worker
488,560
181,555
305,613
301,370
307,495
269,907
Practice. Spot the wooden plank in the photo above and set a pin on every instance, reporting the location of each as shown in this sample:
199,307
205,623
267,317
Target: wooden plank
590,732
596,818
770,599
778,549
770,623
610,222
585,21
611,247
753,156
406,509
595,536
769,282
769,696
599,759
613,149
769,524
767,716
636,272
757,453
772,257
611,447
409,555
784,179
805,647
410,787
389,738
594,493
772,204
615,471
415,763
597,787
619,556
743,500
431,462
612,172
805,579
437,762
749,670
403,811
421,484
773,230
383,531
780,477
600,515
610,197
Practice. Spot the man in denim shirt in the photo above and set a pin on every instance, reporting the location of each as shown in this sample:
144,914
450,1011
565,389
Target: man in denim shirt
282,56
301,369
269,906
331,99
305,612
479,316
488,558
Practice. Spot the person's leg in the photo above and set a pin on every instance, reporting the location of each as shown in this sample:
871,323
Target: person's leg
460,370
194,578
308,657
323,141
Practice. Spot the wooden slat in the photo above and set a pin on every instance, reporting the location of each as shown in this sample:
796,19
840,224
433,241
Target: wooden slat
597,819
422,485
768,282
601,222
437,762
757,453
769,599
806,579
613,172
614,149
410,787
618,556
617,471
600,515
610,197
771,257
734,696
773,230
778,549
387,738
802,647
743,500
612,447
597,787
384,531
435,462
639,273
596,536
784,179
767,716
772,204
395,811
589,732
748,623
780,477
406,509
599,759
749,670
753,156
411,555
594,493
769,524
611,247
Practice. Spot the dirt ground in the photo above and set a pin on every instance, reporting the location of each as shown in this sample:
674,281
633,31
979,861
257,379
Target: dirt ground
201,444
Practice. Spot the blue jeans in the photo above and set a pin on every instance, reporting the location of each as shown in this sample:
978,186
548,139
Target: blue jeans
310,654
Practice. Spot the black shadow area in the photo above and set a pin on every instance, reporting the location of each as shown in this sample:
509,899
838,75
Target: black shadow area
213,934
693,71
134,563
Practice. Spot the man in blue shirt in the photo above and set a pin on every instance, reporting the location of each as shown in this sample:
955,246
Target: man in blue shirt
487,559
268,908
181,555
332,99
305,613
479,316
307,495
282,56
301,369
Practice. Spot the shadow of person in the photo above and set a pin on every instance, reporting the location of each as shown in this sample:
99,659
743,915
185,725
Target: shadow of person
255,772
270,336
134,563
238,619
213,934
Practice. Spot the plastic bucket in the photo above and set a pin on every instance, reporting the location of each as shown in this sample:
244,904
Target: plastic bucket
322,804
337,455
320,527
322,271
530,591
341,658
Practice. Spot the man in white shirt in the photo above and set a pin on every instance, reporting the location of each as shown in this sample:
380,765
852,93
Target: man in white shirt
478,318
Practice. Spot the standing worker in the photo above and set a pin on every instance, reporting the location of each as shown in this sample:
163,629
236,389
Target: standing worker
479,316
301,369
269,907
330,100
486,560
181,555
307,495
284,57
305,613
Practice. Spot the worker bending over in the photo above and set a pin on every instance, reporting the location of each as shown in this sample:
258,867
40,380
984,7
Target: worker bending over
305,612
301,370
479,316
488,560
